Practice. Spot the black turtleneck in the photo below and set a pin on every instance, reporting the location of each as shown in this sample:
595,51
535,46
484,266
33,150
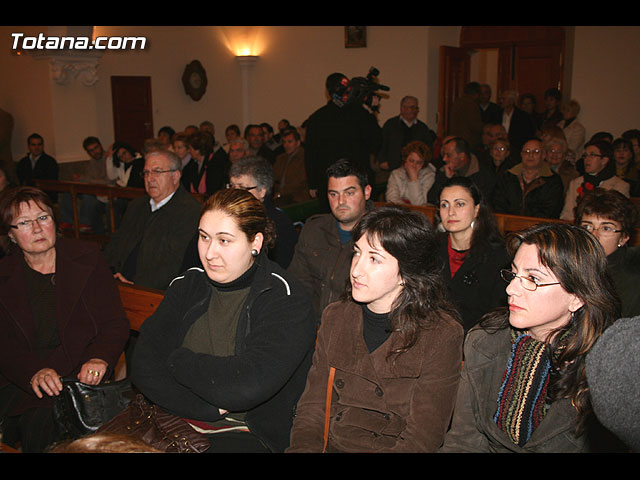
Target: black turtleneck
376,328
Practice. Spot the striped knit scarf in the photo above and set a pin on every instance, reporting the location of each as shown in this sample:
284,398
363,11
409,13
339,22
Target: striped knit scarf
522,396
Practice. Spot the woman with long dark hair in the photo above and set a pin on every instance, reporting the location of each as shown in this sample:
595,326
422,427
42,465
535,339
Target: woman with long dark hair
471,250
389,354
524,387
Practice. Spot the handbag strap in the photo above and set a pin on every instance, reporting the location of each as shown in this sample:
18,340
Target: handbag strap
332,372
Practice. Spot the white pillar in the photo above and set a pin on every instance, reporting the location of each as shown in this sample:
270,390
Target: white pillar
246,63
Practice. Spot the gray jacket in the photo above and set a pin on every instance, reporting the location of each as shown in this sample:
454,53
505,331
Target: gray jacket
473,428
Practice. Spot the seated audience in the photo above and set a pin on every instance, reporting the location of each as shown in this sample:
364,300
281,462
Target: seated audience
626,167
256,176
552,114
395,345
599,172
613,368
60,316
290,174
523,385
239,386
37,165
633,136
323,253
410,183
530,188
149,247
490,133
231,133
254,135
471,251
613,218
556,153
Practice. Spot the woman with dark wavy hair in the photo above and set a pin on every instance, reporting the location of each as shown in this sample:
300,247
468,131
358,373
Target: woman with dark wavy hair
394,343
524,387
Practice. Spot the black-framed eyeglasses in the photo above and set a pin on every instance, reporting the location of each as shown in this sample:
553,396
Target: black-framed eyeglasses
527,283
153,173
240,187
604,230
25,225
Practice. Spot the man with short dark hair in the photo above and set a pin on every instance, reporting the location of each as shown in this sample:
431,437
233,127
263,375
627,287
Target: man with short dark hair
289,171
254,134
322,257
37,165
459,161
149,247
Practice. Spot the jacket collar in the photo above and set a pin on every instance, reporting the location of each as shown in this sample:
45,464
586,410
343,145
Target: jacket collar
545,171
71,276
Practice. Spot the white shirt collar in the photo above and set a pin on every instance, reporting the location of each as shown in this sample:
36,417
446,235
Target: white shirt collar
155,206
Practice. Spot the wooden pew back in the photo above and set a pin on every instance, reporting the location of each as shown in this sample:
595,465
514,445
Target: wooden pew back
139,303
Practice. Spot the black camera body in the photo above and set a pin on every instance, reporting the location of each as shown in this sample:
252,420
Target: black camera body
363,90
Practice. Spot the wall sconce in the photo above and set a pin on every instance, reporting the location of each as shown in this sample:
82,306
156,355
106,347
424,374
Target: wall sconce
246,63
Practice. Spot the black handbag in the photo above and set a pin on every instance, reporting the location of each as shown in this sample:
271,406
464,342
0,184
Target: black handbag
81,409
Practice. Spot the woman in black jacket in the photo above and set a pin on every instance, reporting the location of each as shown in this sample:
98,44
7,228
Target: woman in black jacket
472,251
230,346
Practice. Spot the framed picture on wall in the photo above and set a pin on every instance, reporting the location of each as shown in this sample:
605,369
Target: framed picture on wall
355,37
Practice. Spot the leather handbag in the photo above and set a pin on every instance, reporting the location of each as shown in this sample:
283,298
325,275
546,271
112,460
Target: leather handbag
157,428
81,409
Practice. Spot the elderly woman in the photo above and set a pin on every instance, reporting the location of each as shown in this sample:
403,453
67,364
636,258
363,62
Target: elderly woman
410,183
556,154
613,218
256,176
471,251
393,344
626,167
599,172
229,347
60,315
530,188
523,386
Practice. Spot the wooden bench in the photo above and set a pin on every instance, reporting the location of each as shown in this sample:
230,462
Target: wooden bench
139,304
507,223
111,192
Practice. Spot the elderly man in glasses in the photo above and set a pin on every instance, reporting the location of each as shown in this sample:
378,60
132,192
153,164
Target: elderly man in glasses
150,244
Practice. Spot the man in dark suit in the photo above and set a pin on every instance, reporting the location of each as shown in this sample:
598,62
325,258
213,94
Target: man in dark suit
516,122
400,130
490,111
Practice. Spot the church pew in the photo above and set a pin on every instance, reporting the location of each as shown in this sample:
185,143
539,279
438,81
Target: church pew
506,223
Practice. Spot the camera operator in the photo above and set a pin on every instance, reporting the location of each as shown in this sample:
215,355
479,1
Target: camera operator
344,128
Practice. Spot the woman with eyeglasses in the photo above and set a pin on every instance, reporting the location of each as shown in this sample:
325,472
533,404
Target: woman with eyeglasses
229,347
599,172
393,343
613,218
500,156
60,316
523,386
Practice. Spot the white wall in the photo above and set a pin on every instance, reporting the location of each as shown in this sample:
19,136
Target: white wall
288,80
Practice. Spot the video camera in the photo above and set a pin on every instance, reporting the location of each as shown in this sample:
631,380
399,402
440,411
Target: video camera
359,90
363,89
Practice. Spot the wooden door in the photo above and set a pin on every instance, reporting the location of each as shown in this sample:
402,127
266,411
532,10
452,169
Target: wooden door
132,110
454,74
538,67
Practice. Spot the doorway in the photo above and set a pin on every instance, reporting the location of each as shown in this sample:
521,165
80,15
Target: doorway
132,110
